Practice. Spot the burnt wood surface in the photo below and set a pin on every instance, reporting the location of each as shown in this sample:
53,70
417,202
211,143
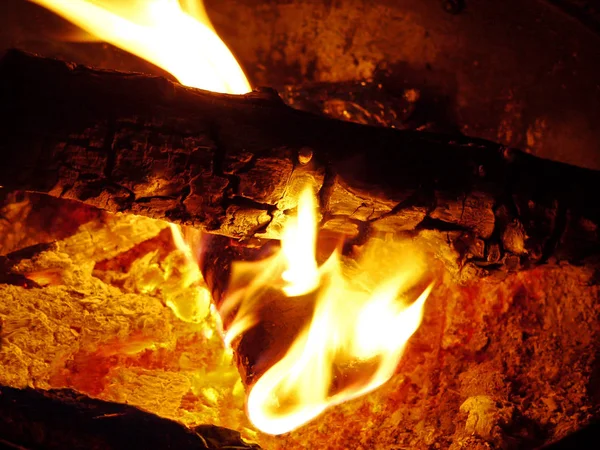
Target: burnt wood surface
233,165
62,418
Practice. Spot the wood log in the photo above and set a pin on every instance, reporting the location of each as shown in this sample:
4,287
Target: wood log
233,164
62,418
258,348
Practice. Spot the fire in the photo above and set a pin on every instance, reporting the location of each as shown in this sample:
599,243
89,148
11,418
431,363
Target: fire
362,316
297,247
187,296
360,325
159,31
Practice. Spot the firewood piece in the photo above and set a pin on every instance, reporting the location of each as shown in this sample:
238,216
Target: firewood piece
62,418
145,145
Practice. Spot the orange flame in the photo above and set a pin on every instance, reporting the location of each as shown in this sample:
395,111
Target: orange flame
159,31
361,321
357,332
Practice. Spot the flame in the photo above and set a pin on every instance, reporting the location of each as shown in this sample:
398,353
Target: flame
361,321
297,246
183,286
159,31
360,325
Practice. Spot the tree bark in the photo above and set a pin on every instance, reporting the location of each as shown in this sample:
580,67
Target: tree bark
234,164
62,418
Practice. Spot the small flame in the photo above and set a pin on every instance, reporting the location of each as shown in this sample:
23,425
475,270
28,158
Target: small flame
159,31
357,333
297,246
187,296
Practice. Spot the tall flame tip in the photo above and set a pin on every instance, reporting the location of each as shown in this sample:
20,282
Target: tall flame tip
161,32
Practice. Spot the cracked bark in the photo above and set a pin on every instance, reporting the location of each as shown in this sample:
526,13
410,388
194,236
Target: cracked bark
232,164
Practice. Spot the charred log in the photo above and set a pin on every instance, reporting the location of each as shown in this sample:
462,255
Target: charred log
62,418
7,263
232,164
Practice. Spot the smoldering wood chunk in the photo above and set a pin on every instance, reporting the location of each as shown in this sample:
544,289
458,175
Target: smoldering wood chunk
345,201
473,211
266,180
402,220
62,418
9,261
268,340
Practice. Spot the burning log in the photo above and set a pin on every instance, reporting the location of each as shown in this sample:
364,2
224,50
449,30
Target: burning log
62,418
260,346
233,164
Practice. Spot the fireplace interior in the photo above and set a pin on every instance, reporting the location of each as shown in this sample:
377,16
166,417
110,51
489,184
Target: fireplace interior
136,216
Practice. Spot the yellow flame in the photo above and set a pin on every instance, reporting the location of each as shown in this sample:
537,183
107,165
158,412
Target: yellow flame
159,31
183,287
359,328
298,248
360,322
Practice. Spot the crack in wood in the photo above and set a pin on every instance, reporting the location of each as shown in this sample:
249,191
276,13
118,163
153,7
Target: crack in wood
108,147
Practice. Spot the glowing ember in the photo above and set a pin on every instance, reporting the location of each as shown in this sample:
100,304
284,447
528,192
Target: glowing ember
159,31
357,333
188,296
